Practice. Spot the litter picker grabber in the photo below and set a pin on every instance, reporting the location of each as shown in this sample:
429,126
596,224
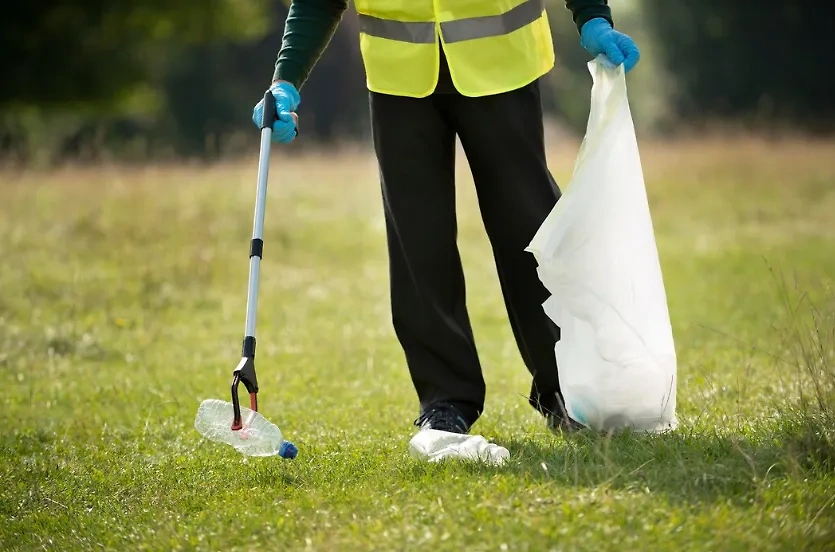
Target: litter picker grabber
254,432
245,371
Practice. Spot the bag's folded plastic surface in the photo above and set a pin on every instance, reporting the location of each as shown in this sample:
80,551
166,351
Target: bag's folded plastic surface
597,256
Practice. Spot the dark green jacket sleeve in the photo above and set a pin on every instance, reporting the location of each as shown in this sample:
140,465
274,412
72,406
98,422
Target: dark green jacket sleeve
308,30
583,10
310,26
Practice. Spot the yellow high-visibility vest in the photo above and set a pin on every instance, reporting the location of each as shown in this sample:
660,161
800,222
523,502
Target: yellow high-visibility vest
491,46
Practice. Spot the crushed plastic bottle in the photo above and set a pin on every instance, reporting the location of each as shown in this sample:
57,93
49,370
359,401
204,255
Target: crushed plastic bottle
258,437
434,445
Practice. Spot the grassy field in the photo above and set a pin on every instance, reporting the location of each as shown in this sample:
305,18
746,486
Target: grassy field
122,296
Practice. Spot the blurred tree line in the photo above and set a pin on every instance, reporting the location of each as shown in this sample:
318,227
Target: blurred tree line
140,79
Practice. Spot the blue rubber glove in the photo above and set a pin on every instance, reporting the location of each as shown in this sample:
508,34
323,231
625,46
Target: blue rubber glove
598,37
286,102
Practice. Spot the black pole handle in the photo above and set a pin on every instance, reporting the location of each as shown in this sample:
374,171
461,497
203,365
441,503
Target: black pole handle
270,114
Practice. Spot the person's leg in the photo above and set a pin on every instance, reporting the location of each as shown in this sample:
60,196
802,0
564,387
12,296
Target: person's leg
415,149
503,139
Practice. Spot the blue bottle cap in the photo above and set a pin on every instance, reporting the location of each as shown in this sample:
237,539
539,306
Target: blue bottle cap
288,450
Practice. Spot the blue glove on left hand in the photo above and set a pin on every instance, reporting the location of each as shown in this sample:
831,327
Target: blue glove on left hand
598,37
286,102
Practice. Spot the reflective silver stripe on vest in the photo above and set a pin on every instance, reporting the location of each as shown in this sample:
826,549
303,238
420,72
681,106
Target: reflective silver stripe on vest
454,31
493,25
415,33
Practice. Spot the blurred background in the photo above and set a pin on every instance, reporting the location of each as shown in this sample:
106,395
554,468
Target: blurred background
139,80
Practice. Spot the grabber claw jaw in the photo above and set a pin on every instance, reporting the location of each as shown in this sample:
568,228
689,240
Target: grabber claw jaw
245,373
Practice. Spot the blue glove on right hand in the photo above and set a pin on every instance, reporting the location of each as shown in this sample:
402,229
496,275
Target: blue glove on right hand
286,102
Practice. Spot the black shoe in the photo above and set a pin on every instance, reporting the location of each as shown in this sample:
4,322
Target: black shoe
562,424
443,417
557,418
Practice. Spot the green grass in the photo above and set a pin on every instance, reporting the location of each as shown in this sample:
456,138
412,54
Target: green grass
122,297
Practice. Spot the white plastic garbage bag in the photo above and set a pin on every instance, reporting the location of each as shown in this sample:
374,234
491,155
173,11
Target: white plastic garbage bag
597,257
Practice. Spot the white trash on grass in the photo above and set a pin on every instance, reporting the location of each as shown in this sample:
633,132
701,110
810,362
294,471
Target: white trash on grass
434,445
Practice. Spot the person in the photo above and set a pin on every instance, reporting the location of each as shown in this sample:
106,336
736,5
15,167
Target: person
437,69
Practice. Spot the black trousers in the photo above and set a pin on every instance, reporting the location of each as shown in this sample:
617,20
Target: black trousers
502,137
